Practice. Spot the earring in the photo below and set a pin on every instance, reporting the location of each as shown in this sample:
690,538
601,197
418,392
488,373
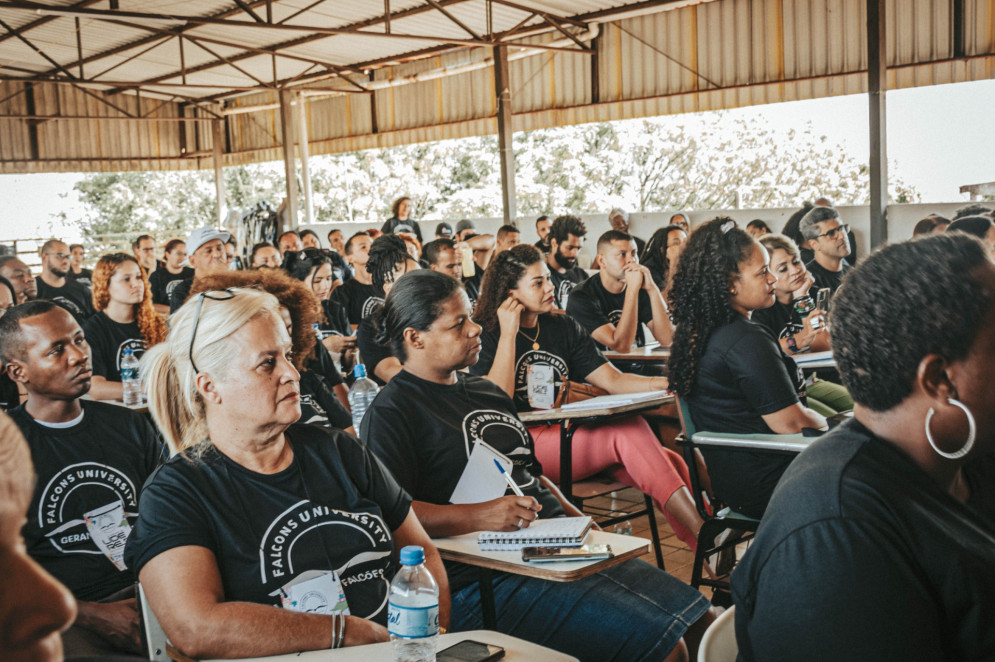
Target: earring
970,432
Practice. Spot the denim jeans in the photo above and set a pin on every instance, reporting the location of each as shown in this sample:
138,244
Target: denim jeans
630,612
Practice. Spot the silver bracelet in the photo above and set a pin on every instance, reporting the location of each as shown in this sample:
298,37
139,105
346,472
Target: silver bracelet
335,642
341,641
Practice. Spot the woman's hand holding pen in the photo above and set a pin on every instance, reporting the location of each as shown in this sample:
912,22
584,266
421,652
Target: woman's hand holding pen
507,513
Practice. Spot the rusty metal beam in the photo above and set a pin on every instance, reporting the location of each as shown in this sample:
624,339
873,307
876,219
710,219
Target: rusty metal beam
42,21
445,12
32,117
248,10
37,50
877,88
502,90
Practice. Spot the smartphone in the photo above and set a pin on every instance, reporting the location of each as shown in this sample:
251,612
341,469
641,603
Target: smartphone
584,553
470,651
822,300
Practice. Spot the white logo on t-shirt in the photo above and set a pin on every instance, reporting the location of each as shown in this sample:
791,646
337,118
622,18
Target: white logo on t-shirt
295,528
493,427
370,306
59,516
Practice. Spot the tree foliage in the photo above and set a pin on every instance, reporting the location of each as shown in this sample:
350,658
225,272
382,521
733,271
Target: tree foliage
706,161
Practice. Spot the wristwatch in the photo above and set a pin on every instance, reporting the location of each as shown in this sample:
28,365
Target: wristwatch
792,345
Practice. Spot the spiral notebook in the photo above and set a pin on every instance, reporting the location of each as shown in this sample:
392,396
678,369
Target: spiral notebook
553,532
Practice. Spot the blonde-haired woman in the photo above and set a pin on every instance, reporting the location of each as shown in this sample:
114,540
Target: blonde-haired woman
125,319
253,511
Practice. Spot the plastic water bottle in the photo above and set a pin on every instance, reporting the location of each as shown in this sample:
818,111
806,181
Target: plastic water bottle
130,381
413,609
361,394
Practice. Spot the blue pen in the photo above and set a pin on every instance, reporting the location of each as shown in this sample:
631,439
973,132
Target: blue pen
507,476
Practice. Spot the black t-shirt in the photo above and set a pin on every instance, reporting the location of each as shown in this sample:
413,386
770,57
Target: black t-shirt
108,340
743,376
826,278
359,299
10,396
334,507
319,405
780,319
424,433
370,351
163,283
594,306
181,290
335,321
322,364
101,461
563,344
390,227
861,556
564,283
543,245
84,277
72,296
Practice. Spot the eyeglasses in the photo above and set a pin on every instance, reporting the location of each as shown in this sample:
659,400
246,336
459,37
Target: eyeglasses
216,295
845,228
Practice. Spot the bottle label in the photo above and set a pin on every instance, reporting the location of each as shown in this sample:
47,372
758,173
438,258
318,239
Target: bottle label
412,622
128,373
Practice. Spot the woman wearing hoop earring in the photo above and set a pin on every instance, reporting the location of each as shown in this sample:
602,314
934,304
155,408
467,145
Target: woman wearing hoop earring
885,523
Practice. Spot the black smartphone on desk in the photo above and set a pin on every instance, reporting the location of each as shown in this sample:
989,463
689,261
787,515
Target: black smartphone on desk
584,553
470,651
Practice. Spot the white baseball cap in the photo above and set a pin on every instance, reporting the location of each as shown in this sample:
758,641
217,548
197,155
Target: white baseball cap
201,236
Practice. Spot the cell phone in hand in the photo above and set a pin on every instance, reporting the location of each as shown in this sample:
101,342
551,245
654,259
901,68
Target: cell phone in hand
470,651
822,299
583,553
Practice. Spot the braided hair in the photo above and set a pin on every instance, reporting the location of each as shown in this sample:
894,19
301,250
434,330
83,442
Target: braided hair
386,253
699,298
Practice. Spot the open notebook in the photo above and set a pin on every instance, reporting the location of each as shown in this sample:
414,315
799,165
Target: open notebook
553,532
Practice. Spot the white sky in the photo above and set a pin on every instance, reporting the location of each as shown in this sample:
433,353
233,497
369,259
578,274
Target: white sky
939,138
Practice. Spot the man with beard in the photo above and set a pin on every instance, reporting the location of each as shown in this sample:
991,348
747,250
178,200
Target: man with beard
19,275
615,303
543,225
566,238
53,285
206,251
826,235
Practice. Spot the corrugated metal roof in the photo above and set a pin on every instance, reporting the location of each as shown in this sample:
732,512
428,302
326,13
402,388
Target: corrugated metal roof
663,58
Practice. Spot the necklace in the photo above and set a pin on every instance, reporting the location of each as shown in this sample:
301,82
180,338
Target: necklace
535,341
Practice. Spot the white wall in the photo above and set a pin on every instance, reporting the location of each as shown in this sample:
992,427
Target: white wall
901,220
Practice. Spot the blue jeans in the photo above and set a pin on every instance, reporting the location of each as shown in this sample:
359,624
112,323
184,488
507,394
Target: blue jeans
630,612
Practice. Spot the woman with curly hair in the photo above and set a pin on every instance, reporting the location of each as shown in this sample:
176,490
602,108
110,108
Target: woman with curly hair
661,253
730,369
125,319
321,396
522,335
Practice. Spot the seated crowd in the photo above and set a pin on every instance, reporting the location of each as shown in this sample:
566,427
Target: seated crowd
248,479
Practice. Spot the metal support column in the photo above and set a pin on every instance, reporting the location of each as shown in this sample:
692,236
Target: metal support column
302,144
502,90
877,87
219,179
287,129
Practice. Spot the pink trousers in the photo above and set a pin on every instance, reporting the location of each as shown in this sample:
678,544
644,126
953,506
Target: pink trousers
627,450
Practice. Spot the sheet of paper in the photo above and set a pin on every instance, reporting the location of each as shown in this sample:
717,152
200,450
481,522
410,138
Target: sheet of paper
481,481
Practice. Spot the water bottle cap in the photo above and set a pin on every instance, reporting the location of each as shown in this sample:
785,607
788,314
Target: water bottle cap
412,555
128,351
359,371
